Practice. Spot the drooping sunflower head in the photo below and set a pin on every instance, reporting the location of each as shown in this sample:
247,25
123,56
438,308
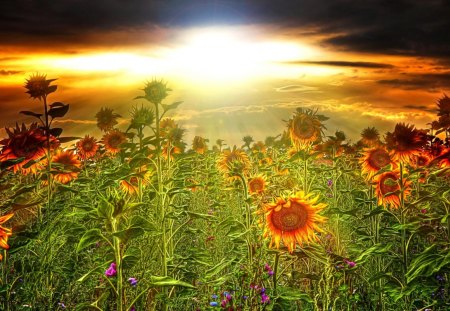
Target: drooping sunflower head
443,159
234,162
388,190
199,145
257,185
405,142
156,91
373,160
305,128
38,86
112,141
66,166
370,136
106,119
293,220
141,117
24,143
87,147
130,185
170,150
443,105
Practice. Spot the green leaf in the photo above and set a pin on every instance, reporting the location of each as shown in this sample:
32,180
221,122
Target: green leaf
86,275
89,237
129,233
168,281
171,106
211,273
58,110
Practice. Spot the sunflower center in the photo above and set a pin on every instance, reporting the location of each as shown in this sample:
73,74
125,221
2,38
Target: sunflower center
88,146
379,159
389,184
304,128
291,218
25,147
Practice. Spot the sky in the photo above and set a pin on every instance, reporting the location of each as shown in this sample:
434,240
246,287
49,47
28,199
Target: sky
241,67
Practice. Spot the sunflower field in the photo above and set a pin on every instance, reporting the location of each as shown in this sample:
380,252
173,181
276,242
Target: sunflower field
140,219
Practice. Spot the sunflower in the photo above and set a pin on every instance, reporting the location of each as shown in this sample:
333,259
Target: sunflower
5,233
168,149
370,136
66,166
141,117
87,147
257,185
293,220
112,141
38,86
443,160
305,128
156,91
388,189
260,147
130,185
233,162
405,142
24,143
265,161
444,105
199,145
106,119
374,160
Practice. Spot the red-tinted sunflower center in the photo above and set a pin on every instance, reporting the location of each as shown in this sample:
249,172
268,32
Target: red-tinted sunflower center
389,184
257,185
379,158
304,128
87,146
114,141
422,161
291,218
26,146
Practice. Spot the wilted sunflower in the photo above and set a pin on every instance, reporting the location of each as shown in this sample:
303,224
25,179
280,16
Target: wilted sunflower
38,86
257,185
169,149
405,142
66,166
5,233
370,137
234,162
199,145
130,185
112,141
24,143
388,189
293,220
87,147
106,119
373,160
305,128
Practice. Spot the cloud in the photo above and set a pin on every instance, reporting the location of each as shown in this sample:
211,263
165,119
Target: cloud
343,64
4,72
433,82
297,88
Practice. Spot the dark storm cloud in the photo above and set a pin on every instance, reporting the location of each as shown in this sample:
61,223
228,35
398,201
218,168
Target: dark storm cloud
432,82
405,27
343,64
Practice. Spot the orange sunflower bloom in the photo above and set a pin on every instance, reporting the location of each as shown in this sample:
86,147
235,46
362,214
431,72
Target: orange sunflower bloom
406,142
66,166
106,119
234,162
443,160
87,147
199,145
25,143
168,149
112,141
388,189
293,220
130,185
305,128
5,233
374,160
259,146
257,185
370,137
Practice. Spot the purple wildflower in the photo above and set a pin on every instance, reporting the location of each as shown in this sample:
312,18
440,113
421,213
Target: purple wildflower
111,271
265,298
133,281
214,304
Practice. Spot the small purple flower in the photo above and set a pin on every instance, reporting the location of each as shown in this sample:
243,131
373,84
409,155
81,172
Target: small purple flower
228,297
62,305
350,264
111,271
133,308
265,298
223,304
133,281
245,297
267,267
214,304
329,182
270,272
214,296
263,290
440,278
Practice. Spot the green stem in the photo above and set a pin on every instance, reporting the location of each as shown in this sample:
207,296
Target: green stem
118,257
275,273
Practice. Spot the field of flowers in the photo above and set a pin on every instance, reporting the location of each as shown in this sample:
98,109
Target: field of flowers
143,220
